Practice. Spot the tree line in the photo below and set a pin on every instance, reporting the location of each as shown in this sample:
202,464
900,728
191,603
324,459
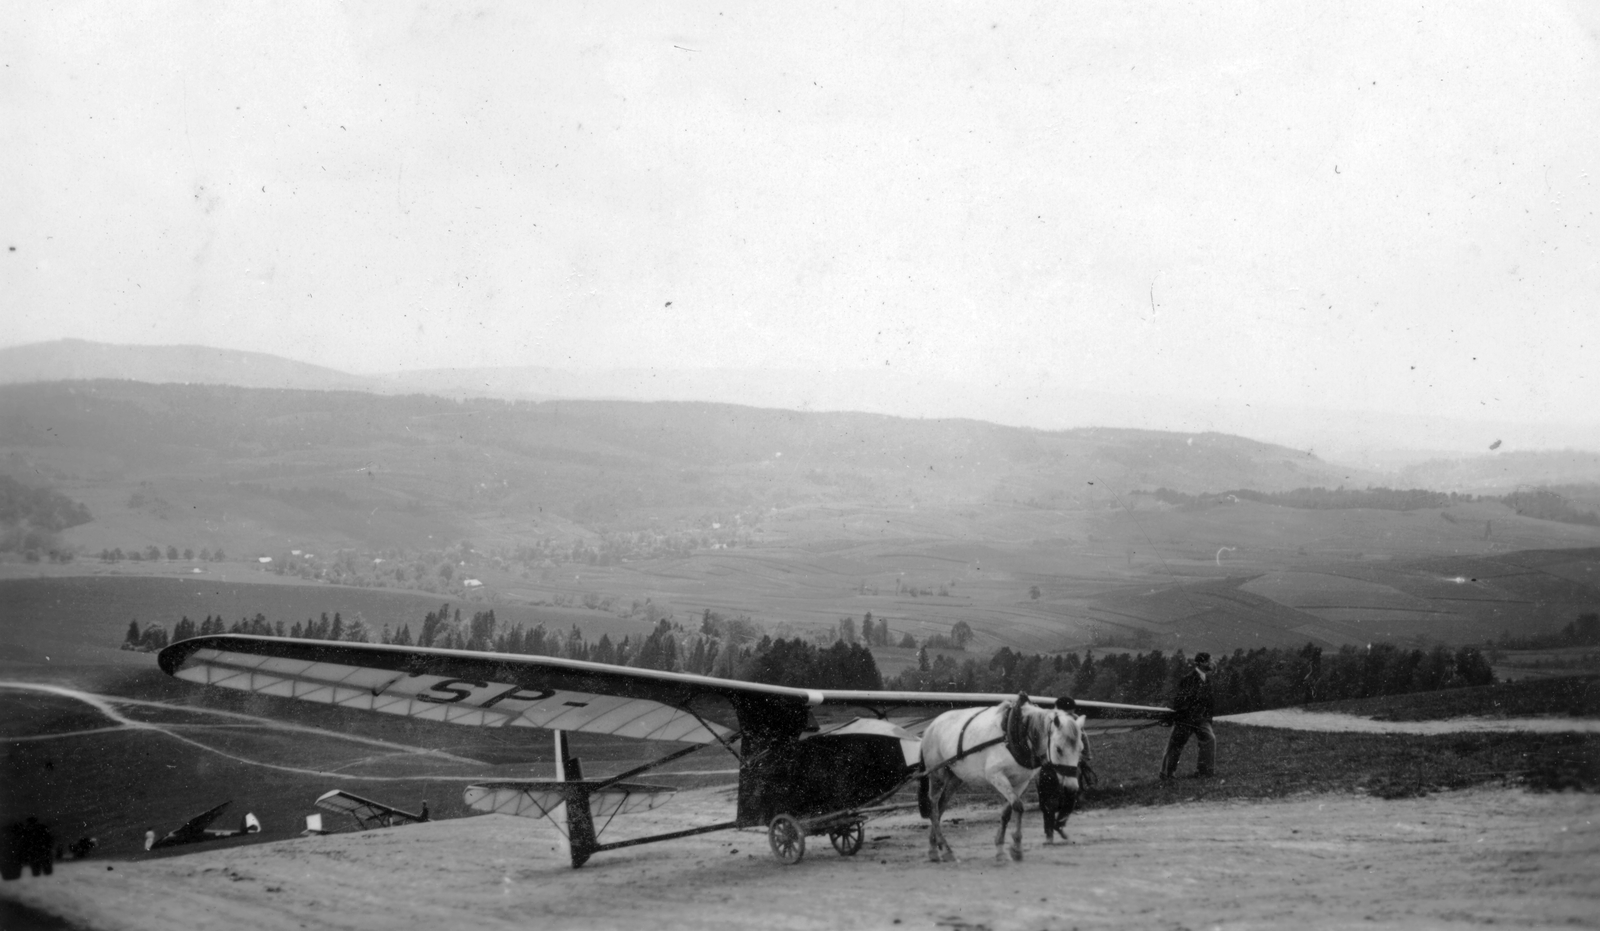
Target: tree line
31,517
1253,680
1582,632
730,648
1539,503
153,553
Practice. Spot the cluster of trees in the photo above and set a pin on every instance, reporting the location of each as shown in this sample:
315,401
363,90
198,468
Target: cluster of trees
1245,681
1544,504
805,665
1384,499
1540,503
153,637
31,517
1582,632
153,553
735,648
877,633
724,647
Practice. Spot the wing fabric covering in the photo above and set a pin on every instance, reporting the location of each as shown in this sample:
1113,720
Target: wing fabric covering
505,690
192,830
461,687
362,809
540,799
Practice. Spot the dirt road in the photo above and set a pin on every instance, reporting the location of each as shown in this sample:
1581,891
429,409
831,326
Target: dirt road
1452,860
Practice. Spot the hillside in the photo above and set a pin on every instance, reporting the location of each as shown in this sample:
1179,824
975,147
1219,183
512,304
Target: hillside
1040,540
79,360
605,465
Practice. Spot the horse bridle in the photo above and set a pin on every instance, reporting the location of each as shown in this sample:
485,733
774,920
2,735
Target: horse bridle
1060,769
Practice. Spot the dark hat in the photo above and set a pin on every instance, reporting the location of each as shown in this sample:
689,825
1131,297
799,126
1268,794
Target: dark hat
1203,660
1066,703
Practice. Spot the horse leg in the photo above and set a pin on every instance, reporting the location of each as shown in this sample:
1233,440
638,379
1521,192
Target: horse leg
934,787
946,793
1016,832
1013,796
941,787
1000,835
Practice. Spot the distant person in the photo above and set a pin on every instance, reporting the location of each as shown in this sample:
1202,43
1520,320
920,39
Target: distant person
11,851
1191,715
38,847
81,847
1055,801
424,811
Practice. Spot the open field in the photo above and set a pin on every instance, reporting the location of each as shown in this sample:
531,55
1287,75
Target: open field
79,613
1454,860
151,751
1040,541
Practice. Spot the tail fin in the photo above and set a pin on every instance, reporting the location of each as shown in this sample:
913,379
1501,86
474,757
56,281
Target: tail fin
581,838
249,825
924,800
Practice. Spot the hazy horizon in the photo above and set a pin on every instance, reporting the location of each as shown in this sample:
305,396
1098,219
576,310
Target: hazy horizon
1352,229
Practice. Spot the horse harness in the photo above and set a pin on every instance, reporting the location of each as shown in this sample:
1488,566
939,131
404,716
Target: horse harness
1013,733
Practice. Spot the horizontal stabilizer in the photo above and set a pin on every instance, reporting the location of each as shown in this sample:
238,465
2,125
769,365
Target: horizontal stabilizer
540,799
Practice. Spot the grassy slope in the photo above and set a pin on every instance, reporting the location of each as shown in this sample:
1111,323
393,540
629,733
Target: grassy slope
114,785
83,620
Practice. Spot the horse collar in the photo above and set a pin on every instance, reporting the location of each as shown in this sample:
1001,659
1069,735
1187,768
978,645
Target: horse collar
1015,727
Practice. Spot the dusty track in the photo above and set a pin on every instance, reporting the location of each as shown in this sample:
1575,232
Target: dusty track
1453,860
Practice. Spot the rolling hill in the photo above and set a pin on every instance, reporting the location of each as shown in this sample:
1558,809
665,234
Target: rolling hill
1040,540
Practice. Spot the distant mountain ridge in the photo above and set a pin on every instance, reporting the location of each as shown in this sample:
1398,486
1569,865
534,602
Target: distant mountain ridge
878,393
78,359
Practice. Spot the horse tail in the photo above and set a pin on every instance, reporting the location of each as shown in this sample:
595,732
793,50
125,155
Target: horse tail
924,799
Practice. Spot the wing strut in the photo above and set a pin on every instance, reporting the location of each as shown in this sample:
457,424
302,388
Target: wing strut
581,838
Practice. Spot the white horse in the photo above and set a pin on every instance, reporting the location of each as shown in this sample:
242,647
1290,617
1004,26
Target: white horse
983,745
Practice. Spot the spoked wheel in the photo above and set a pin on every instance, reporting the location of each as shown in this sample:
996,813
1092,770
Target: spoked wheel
847,840
787,839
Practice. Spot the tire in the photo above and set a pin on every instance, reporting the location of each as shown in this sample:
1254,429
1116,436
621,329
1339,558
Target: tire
848,839
787,839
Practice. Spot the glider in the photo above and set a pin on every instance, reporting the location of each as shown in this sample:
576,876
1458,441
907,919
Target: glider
198,829
818,758
366,812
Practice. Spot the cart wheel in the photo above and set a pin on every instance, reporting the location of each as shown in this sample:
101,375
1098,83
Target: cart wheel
847,840
787,840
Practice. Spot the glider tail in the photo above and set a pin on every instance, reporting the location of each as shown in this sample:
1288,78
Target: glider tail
581,838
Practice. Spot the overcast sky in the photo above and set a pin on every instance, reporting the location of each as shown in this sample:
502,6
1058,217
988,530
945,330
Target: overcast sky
1367,206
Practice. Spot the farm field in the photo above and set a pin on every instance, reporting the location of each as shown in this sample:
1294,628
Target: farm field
77,617
1040,541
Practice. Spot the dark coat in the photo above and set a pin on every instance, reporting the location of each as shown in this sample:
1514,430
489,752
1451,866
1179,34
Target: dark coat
1192,702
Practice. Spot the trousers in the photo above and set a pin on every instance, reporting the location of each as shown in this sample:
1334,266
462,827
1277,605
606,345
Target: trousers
1203,735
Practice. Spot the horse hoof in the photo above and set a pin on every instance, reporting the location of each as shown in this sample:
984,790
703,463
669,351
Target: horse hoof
1016,855
1049,841
949,856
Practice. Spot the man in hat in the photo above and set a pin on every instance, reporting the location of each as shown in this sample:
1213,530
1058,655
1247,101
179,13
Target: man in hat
1191,715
